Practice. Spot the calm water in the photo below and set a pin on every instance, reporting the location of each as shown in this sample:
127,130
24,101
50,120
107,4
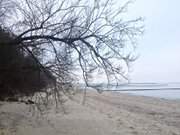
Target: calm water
160,90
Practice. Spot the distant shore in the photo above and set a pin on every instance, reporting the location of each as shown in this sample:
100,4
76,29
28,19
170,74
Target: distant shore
107,113
159,90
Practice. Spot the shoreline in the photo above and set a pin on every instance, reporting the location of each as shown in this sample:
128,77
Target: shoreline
159,94
148,96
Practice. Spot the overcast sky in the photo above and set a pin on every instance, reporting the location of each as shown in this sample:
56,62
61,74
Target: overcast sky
159,48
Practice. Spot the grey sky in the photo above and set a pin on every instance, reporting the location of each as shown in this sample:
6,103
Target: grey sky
159,48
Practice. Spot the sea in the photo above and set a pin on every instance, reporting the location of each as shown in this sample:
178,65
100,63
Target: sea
159,90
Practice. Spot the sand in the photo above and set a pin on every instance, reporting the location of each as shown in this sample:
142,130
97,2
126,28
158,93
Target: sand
103,114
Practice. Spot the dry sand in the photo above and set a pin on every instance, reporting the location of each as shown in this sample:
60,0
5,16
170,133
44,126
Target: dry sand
103,114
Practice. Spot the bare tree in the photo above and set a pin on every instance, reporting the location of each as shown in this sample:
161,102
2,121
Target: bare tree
6,9
76,34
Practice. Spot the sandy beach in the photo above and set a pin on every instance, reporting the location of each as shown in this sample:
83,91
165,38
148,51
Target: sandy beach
103,114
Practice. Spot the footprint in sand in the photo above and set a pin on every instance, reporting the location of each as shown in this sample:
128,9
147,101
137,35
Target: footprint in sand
119,123
109,116
131,127
134,132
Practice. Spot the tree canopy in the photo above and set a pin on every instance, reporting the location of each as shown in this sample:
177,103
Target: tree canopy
61,36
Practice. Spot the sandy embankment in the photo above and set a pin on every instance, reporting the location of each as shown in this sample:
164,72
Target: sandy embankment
103,114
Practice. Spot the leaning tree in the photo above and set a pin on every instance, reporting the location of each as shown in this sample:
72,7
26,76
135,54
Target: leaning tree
63,36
